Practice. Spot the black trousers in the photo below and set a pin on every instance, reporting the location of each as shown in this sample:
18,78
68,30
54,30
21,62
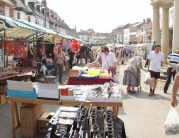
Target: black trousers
169,76
70,63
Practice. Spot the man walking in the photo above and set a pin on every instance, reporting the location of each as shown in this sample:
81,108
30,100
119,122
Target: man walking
153,46
156,59
127,53
173,60
175,88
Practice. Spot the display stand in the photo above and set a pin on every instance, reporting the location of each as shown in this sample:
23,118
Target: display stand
15,115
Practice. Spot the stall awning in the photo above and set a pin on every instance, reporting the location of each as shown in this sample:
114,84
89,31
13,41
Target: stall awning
38,27
14,29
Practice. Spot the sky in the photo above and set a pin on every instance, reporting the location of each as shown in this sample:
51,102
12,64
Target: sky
101,15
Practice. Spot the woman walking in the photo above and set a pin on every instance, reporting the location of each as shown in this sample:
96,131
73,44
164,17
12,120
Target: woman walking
131,73
59,59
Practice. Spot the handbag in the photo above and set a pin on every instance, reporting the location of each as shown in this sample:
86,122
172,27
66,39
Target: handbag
147,78
171,125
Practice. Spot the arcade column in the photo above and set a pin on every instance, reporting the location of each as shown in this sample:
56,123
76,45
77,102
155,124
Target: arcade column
156,24
175,26
165,32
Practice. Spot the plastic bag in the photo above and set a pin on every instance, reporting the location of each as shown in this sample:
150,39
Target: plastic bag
116,77
171,125
147,78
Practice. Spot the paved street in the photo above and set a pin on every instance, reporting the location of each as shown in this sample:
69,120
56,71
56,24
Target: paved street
143,116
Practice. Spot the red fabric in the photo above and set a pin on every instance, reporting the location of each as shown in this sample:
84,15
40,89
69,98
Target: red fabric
87,81
9,48
20,51
75,46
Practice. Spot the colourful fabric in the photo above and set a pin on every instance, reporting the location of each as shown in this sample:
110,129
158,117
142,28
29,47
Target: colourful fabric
55,49
19,51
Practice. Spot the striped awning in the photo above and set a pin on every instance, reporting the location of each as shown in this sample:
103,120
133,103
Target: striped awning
14,29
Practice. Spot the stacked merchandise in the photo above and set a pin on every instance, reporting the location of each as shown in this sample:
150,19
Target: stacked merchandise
87,122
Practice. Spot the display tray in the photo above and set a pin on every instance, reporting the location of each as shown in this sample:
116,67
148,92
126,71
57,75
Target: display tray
89,76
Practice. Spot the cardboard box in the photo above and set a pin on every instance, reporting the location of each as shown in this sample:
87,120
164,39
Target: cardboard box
42,123
3,89
2,99
29,115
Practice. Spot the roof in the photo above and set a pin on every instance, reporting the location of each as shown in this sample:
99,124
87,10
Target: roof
137,24
147,25
83,33
19,3
8,2
121,26
35,11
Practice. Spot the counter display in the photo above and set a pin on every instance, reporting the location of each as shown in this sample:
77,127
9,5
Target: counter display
86,122
6,73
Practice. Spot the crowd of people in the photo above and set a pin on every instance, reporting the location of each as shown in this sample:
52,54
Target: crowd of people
110,59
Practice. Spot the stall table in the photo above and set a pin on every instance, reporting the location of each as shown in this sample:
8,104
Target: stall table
15,114
22,71
87,81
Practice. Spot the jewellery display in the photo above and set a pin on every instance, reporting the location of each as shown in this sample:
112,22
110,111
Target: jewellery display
86,122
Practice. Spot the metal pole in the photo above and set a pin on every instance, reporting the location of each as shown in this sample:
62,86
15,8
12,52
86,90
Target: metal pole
36,57
4,48
45,12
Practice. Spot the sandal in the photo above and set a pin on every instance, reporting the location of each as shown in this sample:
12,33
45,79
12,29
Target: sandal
129,91
133,92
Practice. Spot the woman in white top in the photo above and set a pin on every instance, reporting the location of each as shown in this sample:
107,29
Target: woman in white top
109,61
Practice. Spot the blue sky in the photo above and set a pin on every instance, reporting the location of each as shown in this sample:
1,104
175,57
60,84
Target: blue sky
101,15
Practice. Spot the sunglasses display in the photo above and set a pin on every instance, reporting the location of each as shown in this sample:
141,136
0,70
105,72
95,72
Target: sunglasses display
86,122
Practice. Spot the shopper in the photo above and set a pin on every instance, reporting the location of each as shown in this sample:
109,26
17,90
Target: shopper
127,53
118,55
71,56
109,61
131,73
59,59
175,88
153,46
173,60
99,55
156,59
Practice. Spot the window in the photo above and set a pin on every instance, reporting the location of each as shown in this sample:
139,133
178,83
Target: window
29,19
1,9
7,11
18,15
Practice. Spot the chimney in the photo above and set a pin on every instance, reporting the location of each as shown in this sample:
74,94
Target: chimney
62,21
148,20
44,2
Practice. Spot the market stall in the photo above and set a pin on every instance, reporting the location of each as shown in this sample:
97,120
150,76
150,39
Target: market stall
10,73
107,95
88,76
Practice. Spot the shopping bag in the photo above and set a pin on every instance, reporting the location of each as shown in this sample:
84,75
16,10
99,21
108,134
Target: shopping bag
171,125
116,77
147,78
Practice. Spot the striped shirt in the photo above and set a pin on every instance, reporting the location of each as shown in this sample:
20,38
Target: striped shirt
174,60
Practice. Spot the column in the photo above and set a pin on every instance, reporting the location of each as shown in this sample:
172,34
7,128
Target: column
165,32
175,26
156,24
